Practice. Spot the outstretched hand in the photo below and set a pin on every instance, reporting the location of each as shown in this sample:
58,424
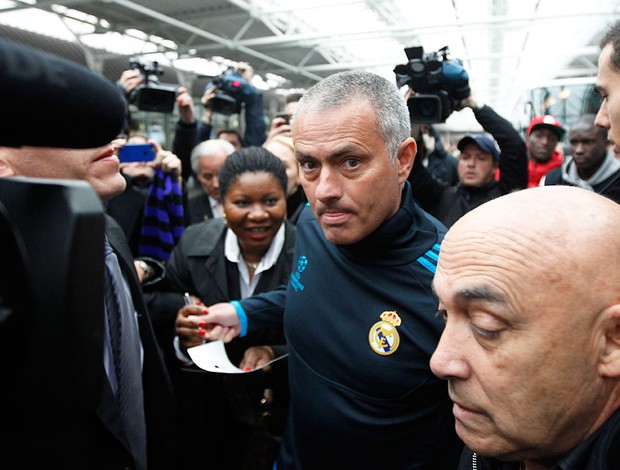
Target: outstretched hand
196,323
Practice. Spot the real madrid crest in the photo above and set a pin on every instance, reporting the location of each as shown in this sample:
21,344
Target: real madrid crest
383,337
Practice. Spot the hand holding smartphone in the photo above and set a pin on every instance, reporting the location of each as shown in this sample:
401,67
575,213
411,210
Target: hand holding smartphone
285,116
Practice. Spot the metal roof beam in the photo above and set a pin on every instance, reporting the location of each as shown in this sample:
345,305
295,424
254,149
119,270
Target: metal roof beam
291,40
212,37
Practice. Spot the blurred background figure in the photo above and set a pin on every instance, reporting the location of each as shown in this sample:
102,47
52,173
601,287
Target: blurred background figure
433,155
151,186
281,124
592,164
232,136
205,200
478,164
542,138
282,147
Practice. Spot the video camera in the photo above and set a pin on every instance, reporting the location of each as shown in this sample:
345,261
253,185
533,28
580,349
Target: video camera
151,95
439,84
232,90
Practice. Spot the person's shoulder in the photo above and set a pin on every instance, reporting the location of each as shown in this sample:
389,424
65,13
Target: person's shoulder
203,233
198,198
289,229
201,239
112,227
306,215
209,225
553,177
431,230
436,230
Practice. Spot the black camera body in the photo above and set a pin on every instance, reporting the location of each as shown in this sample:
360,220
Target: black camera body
232,90
439,84
151,95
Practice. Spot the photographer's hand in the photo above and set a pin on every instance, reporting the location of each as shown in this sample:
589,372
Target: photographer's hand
469,102
246,71
279,126
186,105
207,113
130,79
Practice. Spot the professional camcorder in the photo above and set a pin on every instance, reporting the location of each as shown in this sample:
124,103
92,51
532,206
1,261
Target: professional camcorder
232,90
151,95
439,84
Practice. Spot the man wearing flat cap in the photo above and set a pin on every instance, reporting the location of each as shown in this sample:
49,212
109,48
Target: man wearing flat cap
542,137
479,161
107,402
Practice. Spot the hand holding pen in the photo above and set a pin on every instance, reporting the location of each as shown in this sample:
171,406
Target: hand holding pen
190,322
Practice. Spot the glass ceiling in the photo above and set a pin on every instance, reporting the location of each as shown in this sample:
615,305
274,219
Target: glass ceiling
507,46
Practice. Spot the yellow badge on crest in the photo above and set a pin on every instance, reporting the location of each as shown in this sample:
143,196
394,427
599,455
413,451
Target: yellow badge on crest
383,337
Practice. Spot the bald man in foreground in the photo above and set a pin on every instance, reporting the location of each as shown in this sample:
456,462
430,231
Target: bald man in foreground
529,286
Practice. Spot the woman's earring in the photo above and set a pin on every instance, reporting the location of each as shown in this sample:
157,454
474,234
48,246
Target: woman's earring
224,218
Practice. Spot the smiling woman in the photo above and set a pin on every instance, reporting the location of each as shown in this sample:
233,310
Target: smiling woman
253,189
249,252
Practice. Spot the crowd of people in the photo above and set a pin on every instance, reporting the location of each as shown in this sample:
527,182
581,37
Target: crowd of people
437,312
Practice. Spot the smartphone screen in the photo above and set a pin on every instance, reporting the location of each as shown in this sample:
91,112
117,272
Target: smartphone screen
136,153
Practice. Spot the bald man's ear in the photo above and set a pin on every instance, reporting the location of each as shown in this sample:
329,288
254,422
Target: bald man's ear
6,169
609,360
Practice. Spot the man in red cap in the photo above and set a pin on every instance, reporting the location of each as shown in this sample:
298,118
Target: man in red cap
543,135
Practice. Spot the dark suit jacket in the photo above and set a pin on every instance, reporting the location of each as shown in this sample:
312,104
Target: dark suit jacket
57,406
159,401
199,209
128,210
217,411
51,325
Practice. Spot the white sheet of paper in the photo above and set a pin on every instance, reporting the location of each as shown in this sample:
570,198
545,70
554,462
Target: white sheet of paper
212,357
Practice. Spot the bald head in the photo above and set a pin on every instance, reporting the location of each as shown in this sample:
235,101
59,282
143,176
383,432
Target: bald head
551,232
529,284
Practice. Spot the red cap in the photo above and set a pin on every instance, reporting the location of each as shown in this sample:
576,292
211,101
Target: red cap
547,121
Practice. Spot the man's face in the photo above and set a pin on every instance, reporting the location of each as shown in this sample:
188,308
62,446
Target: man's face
541,143
517,348
346,172
588,147
208,169
99,166
608,84
475,166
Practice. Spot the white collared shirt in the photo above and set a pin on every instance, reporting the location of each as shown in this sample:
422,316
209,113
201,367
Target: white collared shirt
216,208
233,254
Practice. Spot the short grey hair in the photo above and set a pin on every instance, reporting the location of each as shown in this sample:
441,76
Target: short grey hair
208,148
390,110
